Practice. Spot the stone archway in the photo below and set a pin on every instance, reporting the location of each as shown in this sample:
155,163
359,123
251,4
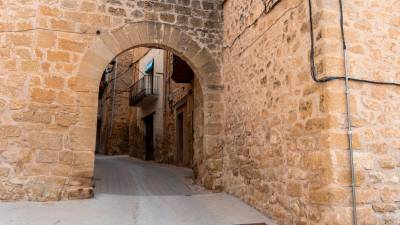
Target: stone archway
208,140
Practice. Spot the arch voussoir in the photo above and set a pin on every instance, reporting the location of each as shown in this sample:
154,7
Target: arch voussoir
133,34
155,29
167,31
121,37
98,54
192,48
142,32
112,44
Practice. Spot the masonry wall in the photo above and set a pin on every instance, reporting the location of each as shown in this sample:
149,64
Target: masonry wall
113,130
372,29
179,99
155,108
52,62
136,133
286,148
275,156
172,97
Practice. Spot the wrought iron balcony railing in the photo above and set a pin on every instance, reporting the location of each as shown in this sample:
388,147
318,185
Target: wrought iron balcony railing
144,90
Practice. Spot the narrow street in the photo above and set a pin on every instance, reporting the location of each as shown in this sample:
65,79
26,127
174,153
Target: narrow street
133,192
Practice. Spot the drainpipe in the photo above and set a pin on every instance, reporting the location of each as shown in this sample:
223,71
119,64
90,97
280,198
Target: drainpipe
113,98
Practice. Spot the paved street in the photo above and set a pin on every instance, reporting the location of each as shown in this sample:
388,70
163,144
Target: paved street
132,192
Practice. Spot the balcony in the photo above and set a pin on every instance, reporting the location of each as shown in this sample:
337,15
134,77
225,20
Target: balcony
144,91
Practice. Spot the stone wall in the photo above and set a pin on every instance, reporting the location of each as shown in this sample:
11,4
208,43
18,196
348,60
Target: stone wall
171,96
283,147
52,62
286,147
274,150
114,113
371,29
177,95
136,135
153,107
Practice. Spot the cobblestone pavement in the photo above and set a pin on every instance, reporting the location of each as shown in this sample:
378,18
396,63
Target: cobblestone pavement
133,192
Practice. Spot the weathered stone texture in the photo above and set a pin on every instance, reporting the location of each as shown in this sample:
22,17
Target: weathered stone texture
286,143
50,79
113,127
281,142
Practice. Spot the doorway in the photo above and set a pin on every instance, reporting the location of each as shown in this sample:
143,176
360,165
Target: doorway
149,137
179,131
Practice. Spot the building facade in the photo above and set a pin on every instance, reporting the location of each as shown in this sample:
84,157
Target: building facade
112,137
271,107
146,107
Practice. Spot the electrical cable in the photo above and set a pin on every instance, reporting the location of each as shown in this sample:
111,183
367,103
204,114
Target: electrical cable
348,118
123,73
312,55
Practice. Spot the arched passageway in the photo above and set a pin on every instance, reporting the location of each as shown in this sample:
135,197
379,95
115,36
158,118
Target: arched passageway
150,108
207,150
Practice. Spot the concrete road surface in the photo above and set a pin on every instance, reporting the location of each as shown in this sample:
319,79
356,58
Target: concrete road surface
133,192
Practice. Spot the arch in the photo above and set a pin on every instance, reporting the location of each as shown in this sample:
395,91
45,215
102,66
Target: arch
208,166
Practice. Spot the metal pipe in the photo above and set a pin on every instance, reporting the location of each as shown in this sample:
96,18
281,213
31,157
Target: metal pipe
113,98
347,79
348,117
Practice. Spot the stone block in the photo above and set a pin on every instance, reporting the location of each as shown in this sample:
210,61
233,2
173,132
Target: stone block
4,172
61,170
390,194
58,56
387,162
16,155
133,34
8,131
2,105
83,172
317,160
71,45
367,215
61,24
80,193
46,39
87,116
48,11
30,66
82,139
54,82
47,157
294,189
122,38
66,117
33,169
329,196
111,43
66,157
88,99
66,98
45,141
20,39
83,159
83,84
384,207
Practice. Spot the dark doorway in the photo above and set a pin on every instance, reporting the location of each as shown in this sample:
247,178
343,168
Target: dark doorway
149,139
179,131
